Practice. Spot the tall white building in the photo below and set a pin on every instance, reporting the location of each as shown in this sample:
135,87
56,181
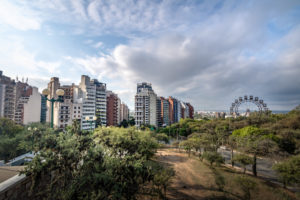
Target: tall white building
145,105
100,101
88,93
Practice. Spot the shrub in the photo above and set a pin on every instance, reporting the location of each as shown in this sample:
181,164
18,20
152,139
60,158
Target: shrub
246,185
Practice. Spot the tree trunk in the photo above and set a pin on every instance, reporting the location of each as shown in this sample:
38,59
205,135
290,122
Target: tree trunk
254,165
232,162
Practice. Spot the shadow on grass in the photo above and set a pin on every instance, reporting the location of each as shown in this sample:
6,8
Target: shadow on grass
181,195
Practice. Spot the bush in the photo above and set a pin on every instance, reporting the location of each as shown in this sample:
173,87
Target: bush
246,185
161,137
213,157
289,170
243,159
220,181
112,163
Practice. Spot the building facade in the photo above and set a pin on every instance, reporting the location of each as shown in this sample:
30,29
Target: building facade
19,101
113,115
145,105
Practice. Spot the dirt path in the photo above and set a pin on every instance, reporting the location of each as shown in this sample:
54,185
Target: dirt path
188,182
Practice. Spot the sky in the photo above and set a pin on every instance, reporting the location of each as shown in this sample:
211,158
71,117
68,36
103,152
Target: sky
207,53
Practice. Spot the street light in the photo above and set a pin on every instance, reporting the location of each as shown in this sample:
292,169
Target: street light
59,93
87,118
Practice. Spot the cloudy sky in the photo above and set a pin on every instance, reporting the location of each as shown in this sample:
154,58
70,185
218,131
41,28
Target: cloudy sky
204,52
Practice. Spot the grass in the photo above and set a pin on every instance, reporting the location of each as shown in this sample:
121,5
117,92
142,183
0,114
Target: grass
198,179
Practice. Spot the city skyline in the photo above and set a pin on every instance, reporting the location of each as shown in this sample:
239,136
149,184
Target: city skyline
207,53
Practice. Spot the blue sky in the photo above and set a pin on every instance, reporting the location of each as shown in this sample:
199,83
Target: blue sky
204,52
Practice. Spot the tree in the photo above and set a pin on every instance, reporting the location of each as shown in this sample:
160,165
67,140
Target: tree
289,170
244,160
247,185
15,140
213,157
124,123
256,141
161,137
187,145
131,121
112,163
232,145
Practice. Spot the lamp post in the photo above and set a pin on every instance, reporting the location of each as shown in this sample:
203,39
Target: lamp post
59,93
87,118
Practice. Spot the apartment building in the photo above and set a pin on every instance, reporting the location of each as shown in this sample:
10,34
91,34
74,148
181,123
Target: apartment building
19,101
191,110
113,109
124,112
100,102
8,97
164,112
164,105
145,105
88,92
28,107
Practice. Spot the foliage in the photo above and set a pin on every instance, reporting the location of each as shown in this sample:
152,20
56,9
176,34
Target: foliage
162,137
111,163
246,185
9,128
187,145
256,141
124,123
289,170
213,157
162,179
15,140
219,180
243,159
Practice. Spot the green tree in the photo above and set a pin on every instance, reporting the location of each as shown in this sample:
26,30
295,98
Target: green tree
112,163
244,160
247,185
161,137
256,141
187,145
289,170
213,157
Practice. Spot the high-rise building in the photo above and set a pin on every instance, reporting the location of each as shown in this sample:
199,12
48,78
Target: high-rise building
124,112
178,110
100,102
113,115
43,110
159,112
145,105
164,104
173,110
8,100
28,108
19,101
88,90
191,110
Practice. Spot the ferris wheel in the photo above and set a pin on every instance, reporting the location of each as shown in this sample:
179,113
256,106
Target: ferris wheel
248,104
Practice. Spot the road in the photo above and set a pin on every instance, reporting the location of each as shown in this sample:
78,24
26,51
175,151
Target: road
264,166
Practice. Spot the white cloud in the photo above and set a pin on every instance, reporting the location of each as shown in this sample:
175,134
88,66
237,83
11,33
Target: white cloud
98,45
18,17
